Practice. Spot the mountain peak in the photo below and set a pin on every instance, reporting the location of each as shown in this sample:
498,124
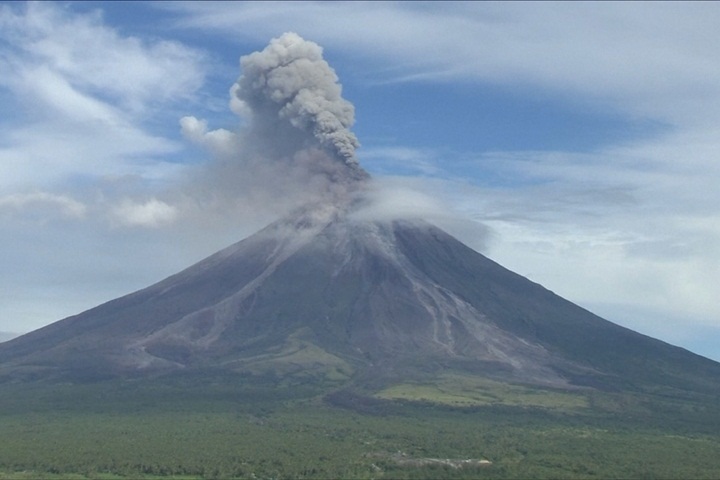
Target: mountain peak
326,290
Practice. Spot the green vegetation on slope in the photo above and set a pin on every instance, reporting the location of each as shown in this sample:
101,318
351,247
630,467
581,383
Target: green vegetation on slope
467,391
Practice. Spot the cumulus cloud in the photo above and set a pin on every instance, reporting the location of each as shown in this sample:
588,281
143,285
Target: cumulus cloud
151,213
220,141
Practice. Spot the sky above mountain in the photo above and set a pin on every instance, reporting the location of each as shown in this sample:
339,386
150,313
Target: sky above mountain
577,144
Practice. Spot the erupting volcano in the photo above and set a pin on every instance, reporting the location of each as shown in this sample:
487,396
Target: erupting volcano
328,290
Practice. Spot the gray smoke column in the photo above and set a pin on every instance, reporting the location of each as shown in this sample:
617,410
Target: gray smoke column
294,148
293,96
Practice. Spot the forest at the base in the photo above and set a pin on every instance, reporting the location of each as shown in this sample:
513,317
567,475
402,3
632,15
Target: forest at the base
251,427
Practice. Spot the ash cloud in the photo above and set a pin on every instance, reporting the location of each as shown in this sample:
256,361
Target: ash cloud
289,83
294,150
294,147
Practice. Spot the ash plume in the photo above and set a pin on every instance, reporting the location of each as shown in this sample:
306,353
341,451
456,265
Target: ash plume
295,146
292,91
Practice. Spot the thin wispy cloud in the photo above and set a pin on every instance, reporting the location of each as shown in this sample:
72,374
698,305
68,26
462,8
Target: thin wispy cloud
631,55
85,94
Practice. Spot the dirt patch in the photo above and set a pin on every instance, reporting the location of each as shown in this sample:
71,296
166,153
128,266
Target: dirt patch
402,459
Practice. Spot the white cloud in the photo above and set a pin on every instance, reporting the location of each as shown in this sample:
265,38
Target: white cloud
606,229
54,91
20,203
85,99
653,60
397,197
93,57
220,141
152,213
395,159
85,134
51,152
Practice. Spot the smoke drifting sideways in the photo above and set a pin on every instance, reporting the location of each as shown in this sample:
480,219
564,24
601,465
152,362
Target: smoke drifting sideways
295,146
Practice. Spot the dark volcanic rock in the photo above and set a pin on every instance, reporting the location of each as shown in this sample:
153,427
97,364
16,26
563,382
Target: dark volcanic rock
323,291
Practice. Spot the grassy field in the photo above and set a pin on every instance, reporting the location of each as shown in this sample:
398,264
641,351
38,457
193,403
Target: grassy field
467,391
247,427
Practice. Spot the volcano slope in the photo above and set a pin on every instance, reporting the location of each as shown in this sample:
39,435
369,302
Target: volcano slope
324,292
331,346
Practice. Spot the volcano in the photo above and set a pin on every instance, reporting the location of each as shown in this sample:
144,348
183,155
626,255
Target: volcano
327,292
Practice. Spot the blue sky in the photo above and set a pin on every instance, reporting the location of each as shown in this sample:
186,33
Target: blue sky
577,144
